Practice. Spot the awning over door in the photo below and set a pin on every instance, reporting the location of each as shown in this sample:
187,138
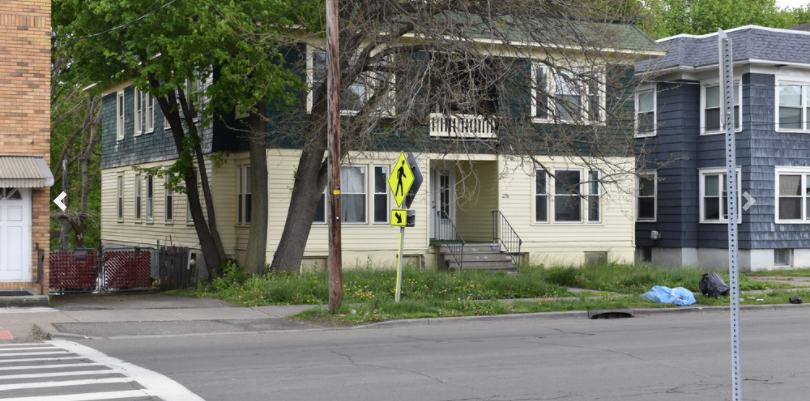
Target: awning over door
24,172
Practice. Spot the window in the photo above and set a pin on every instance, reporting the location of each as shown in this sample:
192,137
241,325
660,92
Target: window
793,195
193,97
138,192
353,194
794,107
567,200
594,209
572,95
120,192
380,194
540,99
540,197
714,196
169,200
646,191
711,109
358,93
320,210
138,112
150,114
645,113
189,216
119,121
782,257
150,197
244,197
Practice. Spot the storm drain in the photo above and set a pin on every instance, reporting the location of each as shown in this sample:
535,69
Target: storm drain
610,313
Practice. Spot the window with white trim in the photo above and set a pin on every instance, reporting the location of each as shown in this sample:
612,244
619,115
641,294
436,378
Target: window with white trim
540,196
645,113
119,112
150,114
353,194
646,196
793,195
138,193
120,193
793,112
320,210
358,93
193,97
594,197
169,215
567,196
244,197
712,120
569,96
714,196
138,112
381,209
150,197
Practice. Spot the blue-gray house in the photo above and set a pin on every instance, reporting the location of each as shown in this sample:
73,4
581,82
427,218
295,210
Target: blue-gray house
681,217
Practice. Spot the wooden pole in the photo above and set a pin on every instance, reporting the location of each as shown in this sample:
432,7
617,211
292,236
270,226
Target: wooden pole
333,145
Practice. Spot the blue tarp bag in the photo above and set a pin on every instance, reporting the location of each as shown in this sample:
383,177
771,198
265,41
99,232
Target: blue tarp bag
665,295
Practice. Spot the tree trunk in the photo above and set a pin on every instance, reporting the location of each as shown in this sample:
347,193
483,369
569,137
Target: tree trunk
308,186
210,242
257,238
65,234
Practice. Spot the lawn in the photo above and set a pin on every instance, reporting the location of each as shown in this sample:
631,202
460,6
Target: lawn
368,294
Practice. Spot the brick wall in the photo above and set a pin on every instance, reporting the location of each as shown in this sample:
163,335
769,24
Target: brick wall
25,46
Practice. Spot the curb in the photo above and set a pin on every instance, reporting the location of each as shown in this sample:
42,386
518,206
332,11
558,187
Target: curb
24,301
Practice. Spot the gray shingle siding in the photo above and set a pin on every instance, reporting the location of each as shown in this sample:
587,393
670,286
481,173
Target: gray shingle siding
759,149
132,150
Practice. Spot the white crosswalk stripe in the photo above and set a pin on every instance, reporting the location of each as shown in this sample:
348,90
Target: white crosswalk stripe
66,371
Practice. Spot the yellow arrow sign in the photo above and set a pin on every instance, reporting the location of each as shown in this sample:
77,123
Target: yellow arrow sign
401,179
399,217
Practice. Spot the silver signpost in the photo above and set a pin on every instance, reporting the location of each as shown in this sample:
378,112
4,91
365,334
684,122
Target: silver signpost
727,107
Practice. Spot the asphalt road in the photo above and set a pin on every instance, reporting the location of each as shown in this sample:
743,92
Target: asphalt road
679,357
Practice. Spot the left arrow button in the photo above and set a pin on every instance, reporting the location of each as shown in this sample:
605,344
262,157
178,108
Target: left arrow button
59,199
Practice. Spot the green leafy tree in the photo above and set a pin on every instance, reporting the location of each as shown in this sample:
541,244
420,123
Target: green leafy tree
160,46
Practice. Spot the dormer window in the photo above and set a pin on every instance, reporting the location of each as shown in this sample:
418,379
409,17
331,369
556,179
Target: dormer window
568,96
357,94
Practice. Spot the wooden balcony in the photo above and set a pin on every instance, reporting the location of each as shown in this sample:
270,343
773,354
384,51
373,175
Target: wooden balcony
461,126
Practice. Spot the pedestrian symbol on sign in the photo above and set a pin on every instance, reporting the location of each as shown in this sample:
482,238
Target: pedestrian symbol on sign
401,180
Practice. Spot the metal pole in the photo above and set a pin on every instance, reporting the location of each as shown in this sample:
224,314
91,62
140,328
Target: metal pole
399,263
333,145
727,86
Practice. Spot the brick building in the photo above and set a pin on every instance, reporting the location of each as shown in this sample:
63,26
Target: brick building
25,178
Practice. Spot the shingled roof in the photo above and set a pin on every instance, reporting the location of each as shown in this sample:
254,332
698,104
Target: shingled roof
748,42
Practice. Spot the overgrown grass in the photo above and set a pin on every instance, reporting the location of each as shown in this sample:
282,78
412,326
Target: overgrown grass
363,285
368,294
788,273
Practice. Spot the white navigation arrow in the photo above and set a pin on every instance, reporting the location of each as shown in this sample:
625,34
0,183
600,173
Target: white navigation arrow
58,201
749,201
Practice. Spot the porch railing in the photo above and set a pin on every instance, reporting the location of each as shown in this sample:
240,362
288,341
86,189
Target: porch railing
506,236
463,126
448,236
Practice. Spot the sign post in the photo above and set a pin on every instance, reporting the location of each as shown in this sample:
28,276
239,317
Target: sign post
404,182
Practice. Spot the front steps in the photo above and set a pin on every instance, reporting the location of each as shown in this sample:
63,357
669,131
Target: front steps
479,257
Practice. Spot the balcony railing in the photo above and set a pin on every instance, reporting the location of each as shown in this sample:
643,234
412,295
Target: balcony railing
461,126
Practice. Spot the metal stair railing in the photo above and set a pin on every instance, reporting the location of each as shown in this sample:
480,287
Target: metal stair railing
506,236
454,245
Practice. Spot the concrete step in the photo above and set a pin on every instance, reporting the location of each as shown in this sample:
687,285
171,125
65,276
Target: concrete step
480,257
474,248
506,266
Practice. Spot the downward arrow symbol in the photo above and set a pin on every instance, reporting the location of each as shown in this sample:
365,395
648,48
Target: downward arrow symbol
399,217
58,201
750,201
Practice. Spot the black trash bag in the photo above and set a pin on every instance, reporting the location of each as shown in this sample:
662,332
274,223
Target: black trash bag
712,284
795,300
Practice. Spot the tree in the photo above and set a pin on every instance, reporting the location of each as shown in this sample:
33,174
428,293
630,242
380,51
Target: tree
698,17
163,48
470,57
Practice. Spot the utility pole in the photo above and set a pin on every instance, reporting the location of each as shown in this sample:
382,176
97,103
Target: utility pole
333,146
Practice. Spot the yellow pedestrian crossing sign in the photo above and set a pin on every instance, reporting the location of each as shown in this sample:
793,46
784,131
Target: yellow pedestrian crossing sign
399,217
401,179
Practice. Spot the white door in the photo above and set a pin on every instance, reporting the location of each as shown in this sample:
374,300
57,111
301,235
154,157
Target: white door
443,205
15,234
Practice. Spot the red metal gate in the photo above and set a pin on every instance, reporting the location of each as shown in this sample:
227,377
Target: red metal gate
73,270
79,270
127,269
